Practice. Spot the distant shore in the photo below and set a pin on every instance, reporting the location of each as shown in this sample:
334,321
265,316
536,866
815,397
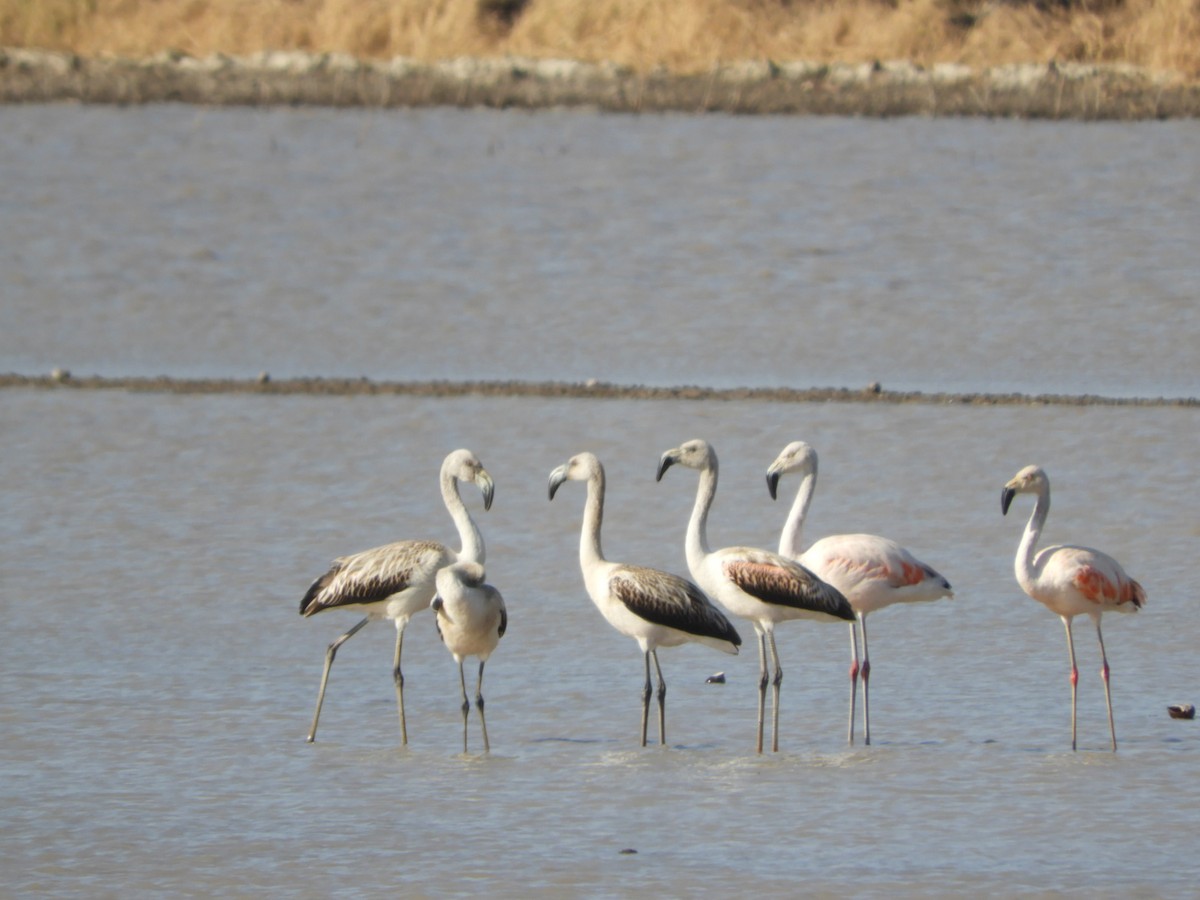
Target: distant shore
1035,91
61,379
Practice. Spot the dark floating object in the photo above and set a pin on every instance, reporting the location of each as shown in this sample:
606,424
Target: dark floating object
628,851
717,678
1182,711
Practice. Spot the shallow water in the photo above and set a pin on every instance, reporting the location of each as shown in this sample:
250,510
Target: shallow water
157,680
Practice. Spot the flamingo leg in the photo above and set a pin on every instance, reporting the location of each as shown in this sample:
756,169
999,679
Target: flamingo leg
647,691
466,704
1112,728
330,653
662,701
398,678
866,678
775,696
487,747
853,681
1074,676
762,684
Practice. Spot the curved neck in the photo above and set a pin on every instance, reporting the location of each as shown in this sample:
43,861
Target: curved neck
1033,531
790,539
696,545
593,515
468,531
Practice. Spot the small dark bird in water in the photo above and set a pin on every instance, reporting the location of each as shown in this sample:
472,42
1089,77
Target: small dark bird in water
1182,711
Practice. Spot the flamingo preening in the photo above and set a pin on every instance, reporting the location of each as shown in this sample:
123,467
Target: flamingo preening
656,609
871,571
396,581
758,585
1068,580
471,619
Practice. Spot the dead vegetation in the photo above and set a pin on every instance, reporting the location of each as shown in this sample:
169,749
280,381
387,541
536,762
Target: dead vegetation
644,35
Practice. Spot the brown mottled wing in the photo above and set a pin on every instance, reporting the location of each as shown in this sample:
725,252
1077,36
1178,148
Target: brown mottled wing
374,575
666,599
781,582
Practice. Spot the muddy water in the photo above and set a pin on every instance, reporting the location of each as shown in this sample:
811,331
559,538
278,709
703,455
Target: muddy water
157,682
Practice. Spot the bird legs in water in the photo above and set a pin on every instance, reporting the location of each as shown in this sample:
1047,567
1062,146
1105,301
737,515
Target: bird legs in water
330,653
398,677
466,706
763,680
1104,674
647,691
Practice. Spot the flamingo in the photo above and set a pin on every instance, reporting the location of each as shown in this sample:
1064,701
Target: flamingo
655,608
1069,580
871,571
471,619
758,585
396,581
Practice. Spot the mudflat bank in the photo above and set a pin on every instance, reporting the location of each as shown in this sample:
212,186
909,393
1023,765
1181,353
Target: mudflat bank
1034,91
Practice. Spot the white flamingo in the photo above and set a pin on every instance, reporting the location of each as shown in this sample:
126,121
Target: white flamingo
471,619
872,571
396,581
656,609
1069,581
758,585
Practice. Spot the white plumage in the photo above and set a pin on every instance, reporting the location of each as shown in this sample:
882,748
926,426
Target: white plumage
396,581
758,585
471,619
655,608
1069,580
871,571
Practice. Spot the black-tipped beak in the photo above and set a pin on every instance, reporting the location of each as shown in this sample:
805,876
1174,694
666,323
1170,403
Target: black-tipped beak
487,487
668,460
557,477
1006,497
773,484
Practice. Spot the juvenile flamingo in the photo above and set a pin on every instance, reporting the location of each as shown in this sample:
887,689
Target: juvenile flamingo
396,581
471,619
872,571
758,585
1069,580
657,609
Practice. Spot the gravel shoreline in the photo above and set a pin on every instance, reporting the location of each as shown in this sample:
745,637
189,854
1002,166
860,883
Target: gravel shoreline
263,384
1052,91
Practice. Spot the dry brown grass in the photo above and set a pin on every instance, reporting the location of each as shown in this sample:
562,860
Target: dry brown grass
643,34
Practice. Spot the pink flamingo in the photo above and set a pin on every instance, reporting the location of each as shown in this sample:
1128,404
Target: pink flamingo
1069,580
871,571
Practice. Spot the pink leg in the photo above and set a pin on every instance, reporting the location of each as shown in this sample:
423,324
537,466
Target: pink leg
1074,676
1112,728
853,679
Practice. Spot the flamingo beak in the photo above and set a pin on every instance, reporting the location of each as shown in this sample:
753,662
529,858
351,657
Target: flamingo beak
557,477
484,481
1006,497
668,459
773,482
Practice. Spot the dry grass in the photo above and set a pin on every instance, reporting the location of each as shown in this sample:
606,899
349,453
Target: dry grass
643,34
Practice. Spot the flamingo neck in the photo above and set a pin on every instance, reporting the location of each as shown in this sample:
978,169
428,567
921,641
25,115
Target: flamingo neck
791,539
696,545
590,553
1033,531
468,531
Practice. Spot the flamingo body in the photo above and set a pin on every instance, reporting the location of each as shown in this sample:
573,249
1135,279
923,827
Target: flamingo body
759,585
655,608
872,572
397,580
1069,580
471,618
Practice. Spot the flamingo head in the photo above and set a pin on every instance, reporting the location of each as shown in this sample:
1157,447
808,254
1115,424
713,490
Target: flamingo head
1030,480
465,466
796,457
694,454
580,467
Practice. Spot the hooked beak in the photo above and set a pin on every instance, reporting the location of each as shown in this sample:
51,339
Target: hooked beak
557,477
1006,497
773,482
484,482
668,459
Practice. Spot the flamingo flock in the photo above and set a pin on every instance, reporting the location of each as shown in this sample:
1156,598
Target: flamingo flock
839,578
